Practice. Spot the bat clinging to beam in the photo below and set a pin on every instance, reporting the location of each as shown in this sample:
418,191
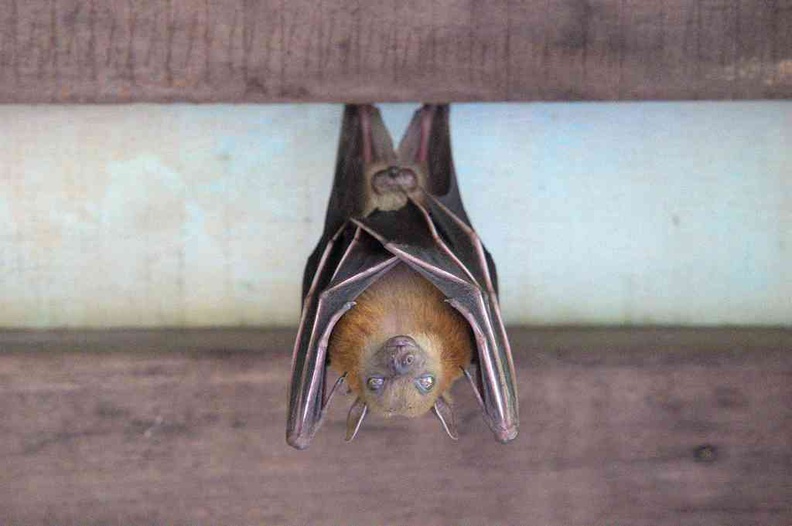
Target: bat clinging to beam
399,296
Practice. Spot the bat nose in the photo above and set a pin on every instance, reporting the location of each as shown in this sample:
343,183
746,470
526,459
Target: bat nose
402,354
402,361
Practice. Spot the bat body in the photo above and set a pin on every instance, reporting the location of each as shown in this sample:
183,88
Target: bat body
399,297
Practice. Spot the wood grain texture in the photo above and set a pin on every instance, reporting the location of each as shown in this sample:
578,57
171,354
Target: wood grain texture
629,427
347,50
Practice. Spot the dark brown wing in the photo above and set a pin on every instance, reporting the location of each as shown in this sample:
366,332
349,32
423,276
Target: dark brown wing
428,140
346,269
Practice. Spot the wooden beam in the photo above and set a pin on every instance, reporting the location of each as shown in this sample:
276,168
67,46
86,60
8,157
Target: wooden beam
350,50
640,427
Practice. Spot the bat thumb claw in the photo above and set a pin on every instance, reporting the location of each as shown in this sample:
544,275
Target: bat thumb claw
442,409
357,413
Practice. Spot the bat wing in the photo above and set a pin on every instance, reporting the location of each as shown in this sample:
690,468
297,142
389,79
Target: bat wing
350,263
428,140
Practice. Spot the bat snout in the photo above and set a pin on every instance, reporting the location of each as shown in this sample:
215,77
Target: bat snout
402,362
404,355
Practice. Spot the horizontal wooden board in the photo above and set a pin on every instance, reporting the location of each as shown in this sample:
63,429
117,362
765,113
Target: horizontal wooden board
350,50
630,427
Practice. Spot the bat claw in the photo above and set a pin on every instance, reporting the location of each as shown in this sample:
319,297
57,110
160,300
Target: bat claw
442,409
476,392
332,392
357,413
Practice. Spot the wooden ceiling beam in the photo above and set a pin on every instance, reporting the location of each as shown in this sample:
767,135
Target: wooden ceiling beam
119,51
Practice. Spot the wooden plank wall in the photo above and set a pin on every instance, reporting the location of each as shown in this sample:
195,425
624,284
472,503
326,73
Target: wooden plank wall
645,427
351,50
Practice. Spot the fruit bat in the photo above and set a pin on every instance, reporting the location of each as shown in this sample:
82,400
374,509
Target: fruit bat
400,295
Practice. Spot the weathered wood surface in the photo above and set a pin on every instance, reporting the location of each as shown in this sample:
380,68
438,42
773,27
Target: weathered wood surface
352,50
628,427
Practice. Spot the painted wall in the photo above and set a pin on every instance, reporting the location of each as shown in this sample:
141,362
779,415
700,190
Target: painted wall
668,213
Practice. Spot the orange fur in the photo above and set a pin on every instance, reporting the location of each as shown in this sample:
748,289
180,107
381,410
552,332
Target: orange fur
401,303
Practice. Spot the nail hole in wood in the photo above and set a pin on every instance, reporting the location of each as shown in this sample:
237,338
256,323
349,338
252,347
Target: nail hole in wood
705,453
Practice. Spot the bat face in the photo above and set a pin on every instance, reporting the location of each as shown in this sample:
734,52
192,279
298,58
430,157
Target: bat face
401,378
401,346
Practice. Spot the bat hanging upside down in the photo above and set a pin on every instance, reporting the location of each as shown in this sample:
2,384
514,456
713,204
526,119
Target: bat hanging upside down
399,295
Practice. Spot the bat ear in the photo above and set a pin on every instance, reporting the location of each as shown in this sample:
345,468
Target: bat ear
445,414
414,144
355,418
428,140
376,143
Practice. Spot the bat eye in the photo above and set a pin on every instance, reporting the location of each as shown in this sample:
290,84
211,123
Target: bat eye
375,383
425,383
